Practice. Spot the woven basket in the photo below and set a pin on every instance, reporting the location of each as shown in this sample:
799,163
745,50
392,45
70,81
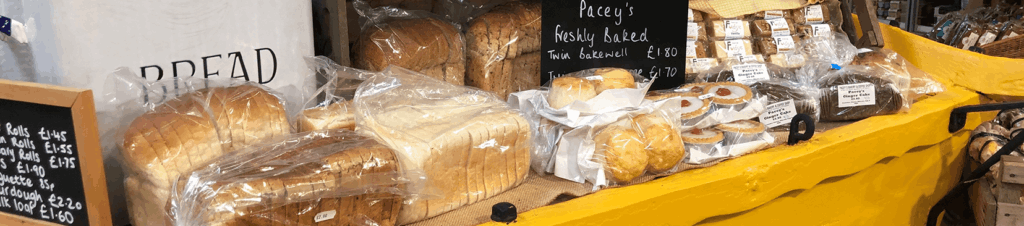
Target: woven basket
1009,48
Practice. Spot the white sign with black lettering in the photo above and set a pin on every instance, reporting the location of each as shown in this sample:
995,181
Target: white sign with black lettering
778,113
821,30
779,27
750,73
784,44
733,29
734,48
860,94
813,14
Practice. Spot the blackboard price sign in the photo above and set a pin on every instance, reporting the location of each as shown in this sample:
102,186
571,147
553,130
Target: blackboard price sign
646,37
51,166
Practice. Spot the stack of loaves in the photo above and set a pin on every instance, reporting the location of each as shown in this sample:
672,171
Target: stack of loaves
470,144
503,47
183,133
329,177
426,45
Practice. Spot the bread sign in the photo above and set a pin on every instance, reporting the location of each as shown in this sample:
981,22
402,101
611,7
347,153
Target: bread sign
51,167
646,37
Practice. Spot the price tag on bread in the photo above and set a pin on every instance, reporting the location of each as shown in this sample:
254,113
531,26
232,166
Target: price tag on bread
750,73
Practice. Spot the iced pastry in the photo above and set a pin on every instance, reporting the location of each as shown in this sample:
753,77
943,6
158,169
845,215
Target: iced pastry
729,95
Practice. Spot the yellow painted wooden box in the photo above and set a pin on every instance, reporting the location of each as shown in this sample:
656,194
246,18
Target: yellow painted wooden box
885,170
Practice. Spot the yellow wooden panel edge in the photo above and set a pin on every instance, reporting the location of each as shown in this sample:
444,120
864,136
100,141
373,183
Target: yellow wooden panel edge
949,65
745,183
897,191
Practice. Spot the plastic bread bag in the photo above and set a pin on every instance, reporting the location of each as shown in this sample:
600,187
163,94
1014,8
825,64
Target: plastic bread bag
332,177
857,92
744,72
171,127
330,107
921,83
503,48
834,49
785,99
455,134
416,40
743,137
585,97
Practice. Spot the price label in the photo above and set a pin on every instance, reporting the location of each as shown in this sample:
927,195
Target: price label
326,215
784,44
735,48
691,49
779,27
778,113
821,30
813,14
705,96
750,73
860,94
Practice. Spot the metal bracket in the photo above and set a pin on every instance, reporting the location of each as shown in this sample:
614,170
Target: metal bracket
794,129
958,117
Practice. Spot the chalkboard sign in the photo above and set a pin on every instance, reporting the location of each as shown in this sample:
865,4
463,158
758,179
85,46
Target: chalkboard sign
51,166
647,37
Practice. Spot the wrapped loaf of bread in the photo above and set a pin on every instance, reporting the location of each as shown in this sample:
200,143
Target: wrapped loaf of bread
503,47
184,133
427,45
469,143
333,116
329,177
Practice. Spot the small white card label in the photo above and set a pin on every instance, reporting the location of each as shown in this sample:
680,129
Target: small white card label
733,29
784,44
987,38
779,27
750,73
860,94
777,114
813,14
705,96
749,59
734,48
821,30
692,31
691,49
772,14
326,215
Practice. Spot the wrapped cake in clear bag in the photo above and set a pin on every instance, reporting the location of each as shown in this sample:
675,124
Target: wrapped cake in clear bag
920,82
785,100
332,177
857,92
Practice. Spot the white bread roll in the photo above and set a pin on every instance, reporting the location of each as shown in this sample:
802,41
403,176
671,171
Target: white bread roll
565,90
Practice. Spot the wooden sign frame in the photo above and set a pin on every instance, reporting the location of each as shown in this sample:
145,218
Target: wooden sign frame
90,154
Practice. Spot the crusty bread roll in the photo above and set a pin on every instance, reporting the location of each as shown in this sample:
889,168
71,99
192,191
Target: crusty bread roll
622,150
334,116
468,153
663,145
503,46
612,78
427,45
185,133
565,90
334,171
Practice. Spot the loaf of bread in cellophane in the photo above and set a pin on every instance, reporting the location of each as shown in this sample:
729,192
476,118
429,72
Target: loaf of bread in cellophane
469,143
503,46
326,177
185,132
426,45
332,116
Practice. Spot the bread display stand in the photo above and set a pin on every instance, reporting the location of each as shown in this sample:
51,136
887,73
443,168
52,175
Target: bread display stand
840,172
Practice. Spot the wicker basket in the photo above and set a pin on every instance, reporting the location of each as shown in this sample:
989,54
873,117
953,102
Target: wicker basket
1009,48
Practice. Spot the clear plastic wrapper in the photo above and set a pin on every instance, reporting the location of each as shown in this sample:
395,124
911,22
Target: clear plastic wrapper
944,26
620,149
167,128
733,48
703,145
773,14
728,28
705,105
696,31
469,143
1011,29
988,35
817,30
697,49
772,27
581,97
857,92
695,66
332,177
744,136
776,45
803,100
833,49
330,107
744,72
788,60
921,83
968,35
503,48
410,39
